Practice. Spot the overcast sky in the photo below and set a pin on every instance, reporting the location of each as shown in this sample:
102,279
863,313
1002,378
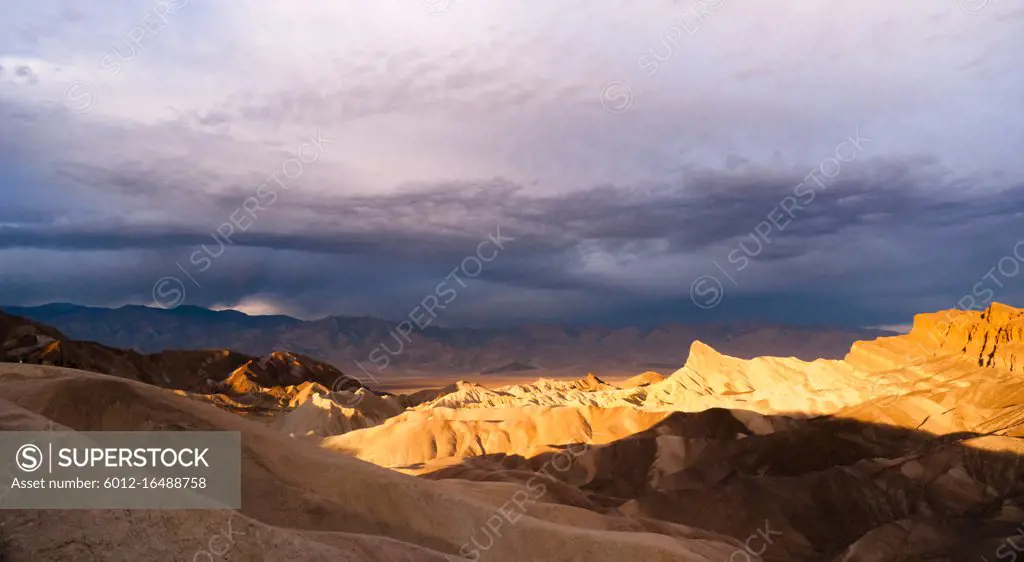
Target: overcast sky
648,159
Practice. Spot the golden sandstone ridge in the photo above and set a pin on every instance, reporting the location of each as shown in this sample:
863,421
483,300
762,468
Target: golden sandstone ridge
906,449
913,437
945,352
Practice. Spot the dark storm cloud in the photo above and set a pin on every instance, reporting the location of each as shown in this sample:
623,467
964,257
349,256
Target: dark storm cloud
702,208
404,242
713,207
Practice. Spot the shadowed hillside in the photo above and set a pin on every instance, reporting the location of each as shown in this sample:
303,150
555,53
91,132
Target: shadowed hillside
831,487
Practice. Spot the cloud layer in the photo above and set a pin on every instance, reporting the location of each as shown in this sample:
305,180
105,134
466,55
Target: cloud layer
323,160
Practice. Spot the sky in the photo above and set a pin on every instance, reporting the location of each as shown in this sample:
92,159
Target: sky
811,162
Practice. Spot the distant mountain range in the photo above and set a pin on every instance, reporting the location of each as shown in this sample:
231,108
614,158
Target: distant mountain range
388,348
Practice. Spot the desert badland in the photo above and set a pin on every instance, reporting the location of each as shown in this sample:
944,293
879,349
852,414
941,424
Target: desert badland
905,449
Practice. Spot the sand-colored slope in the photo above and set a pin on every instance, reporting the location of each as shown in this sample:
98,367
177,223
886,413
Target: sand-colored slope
323,414
825,484
863,458
643,379
523,419
303,492
421,436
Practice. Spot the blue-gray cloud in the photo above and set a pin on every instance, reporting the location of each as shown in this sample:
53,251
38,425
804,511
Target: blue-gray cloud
128,140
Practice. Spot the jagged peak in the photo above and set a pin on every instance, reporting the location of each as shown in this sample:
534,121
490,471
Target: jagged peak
992,337
940,324
700,352
698,347
1001,314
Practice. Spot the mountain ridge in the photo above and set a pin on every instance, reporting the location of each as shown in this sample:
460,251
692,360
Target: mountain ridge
377,347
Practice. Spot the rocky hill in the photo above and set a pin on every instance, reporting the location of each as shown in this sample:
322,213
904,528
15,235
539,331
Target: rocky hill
246,380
